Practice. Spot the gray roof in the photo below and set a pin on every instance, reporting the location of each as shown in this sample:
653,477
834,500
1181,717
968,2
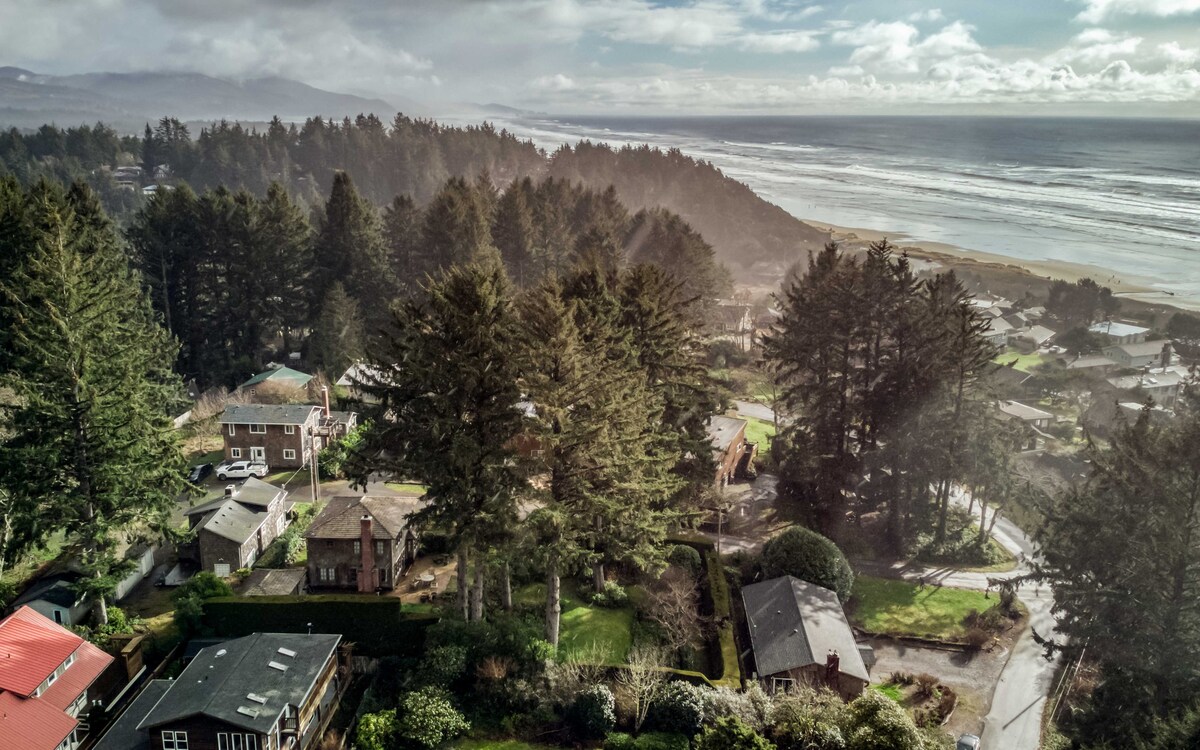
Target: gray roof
794,624
267,413
723,430
254,492
1089,361
1146,348
232,520
1118,330
123,734
1023,411
1160,378
269,582
219,681
58,589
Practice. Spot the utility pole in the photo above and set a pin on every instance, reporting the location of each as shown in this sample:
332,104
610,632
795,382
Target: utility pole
317,437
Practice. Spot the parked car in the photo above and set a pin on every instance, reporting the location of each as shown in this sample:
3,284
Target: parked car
967,742
199,472
241,470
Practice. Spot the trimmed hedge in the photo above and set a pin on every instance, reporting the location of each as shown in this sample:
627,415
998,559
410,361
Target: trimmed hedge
378,626
714,599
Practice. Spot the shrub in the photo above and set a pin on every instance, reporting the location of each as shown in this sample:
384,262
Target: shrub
619,741
662,741
926,685
900,677
807,718
376,731
189,615
205,585
613,596
977,638
444,665
729,733
807,555
678,707
427,718
683,556
592,714
752,707
875,722
241,574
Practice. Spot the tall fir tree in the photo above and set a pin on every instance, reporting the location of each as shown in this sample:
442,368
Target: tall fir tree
92,390
339,337
349,248
285,262
402,233
513,231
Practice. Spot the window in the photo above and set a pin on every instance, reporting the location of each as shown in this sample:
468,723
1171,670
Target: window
58,618
327,575
251,742
232,429
289,429
781,684
289,454
380,547
235,452
258,429
222,741
235,742
174,740
357,547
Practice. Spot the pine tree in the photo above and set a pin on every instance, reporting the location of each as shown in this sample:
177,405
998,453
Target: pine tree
339,337
284,248
402,233
457,228
349,248
512,231
90,375
448,394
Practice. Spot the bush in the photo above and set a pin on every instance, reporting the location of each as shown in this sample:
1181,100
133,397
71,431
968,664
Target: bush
806,719
752,707
205,585
678,707
189,615
619,741
977,638
376,731
612,597
876,722
729,733
427,718
807,555
593,713
647,741
444,665
683,556
926,685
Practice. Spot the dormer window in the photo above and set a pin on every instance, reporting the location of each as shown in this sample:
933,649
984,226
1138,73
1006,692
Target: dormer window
258,429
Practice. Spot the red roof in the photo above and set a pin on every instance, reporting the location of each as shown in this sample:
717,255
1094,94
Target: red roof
30,724
31,647
89,663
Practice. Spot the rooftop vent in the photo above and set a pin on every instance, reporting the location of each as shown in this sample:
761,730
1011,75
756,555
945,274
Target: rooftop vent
222,652
287,652
256,698
251,712
277,665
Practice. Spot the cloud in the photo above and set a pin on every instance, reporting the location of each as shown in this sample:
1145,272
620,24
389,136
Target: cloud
1098,11
780,41
926,16
556,82
891,48
1096,47
1177,56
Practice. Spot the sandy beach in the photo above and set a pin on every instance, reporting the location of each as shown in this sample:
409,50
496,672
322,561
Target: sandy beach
991,265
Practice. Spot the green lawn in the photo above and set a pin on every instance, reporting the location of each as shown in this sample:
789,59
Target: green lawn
293,477
891,607
759,431
212,457
891,690
468,744
584,627
17,574
407,488
1024,362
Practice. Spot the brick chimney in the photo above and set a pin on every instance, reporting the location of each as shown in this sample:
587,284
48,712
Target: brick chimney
366,577
325,398
1165,357
833,663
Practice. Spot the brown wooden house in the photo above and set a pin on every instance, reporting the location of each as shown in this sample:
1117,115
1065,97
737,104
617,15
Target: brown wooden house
231,531
355,534
266,691
283,436
731,452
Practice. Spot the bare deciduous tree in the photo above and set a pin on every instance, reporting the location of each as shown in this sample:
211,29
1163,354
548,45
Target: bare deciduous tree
640,680
673,604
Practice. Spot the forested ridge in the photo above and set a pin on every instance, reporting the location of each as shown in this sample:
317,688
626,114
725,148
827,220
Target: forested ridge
410,157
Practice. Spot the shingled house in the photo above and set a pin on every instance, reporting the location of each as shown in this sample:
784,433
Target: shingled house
234,529
800,636
731,452
280,435
266,691
47,678
355,534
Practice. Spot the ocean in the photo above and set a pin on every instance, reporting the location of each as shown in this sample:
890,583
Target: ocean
1119,194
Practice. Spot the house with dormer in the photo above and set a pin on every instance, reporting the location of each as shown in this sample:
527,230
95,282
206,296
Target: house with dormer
231,531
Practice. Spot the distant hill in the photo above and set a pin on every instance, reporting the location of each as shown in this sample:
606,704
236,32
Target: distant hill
128,100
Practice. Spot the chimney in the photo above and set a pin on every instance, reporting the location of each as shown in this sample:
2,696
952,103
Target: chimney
1165,358
230,490
325,397
833,663
366,577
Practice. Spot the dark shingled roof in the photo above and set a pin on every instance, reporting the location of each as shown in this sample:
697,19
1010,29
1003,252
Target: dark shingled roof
123,734
57,589
794,624
722,431
268,582
218,682
267,413
341,517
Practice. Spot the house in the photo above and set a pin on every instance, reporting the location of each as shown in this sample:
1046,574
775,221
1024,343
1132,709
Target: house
731,453
266,691
997,331
1093,363
1032,338
799,636
1120,333
231,531
284,436
1137,356
1035,419
56,598
354,534
280,582
1132,411
1163,384
276,377
47,683
732,322
357,378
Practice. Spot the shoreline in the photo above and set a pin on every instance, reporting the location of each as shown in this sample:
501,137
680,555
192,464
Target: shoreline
1006,270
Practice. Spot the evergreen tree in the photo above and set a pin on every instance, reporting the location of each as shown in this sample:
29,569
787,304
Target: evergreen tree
92,389
457,227
284,263
512,231
339,337
349,248
402,233
448,412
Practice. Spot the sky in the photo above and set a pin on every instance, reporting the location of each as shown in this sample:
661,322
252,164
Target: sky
1124,57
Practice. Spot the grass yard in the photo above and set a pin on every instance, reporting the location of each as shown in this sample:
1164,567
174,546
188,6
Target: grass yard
212,457
469,744
760,431
19,573
290,478
892,607
891,690
1024,362
405,488
585,628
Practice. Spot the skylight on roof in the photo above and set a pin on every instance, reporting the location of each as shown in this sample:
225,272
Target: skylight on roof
256,698
287,652
277,665
251,712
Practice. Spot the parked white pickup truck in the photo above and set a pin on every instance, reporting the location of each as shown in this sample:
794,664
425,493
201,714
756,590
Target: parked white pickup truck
241,470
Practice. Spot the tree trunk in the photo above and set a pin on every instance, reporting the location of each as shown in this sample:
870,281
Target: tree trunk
553,603
100,609
463,586
943,503
598,577
477,591
983,526
506,587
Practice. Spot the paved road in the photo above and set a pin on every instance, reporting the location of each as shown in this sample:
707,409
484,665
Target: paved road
758,411
1015,718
